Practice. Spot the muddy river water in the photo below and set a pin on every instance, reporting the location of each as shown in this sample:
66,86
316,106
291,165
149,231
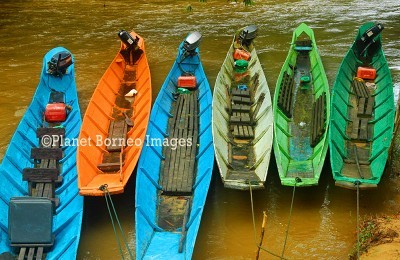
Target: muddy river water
324,217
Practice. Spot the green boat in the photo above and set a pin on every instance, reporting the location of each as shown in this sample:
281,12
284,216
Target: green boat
301,112
242,118
363,111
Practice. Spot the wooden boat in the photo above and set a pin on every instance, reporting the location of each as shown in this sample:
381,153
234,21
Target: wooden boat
115,121
242,116
301,112
362,117
40,207
173,177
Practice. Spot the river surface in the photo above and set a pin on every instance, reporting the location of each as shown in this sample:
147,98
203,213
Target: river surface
323,222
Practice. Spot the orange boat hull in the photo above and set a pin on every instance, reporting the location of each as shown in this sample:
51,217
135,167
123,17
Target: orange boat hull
98,117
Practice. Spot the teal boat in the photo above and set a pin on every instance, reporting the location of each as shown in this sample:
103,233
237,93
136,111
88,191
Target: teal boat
301,112
363,110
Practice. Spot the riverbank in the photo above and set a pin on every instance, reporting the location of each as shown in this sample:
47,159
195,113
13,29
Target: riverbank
379,237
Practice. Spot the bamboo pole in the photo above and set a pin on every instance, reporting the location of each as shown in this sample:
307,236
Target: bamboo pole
262,234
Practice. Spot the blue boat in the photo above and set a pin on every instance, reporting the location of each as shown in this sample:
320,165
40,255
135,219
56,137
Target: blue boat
54,113
173,177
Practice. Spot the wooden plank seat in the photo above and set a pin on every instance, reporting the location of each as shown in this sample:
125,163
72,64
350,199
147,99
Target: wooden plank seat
240,93
118,129
241,100
238,118
242,131
50,131
46,153
41,175
285,98
110,167
240,108
31,253
360,89
318,123
179,172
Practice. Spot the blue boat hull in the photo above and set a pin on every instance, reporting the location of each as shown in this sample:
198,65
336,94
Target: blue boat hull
67,220
152,242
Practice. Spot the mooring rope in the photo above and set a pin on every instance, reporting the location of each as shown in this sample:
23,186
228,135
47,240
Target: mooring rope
109,202
254,227
357,183
297,180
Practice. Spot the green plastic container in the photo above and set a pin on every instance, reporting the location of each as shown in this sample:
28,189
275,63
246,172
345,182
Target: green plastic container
241,66
183,91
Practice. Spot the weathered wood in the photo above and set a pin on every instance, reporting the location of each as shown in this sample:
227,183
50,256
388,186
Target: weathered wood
46,153
117,133
361,106
241,100
110,167
22,252
40,174
178,173
240,108
39,253
363,129
370,106
31,253
50,131
241,93
355,128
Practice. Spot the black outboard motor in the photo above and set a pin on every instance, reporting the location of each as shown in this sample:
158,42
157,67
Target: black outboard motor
58,64
248,34
127,39
368,38
192,42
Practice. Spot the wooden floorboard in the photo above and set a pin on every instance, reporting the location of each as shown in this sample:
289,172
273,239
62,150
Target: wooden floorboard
178,171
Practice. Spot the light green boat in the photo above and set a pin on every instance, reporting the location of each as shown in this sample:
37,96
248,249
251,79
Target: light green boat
362,117
242,118
301,112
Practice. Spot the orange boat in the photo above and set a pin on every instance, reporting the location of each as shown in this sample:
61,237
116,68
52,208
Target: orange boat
115,122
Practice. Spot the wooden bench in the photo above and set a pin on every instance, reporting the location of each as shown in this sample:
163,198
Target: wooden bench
179,171
242,131
318,123
285,98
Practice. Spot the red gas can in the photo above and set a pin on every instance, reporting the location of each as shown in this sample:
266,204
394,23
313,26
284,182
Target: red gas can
366,73
240,54
187,82
55,112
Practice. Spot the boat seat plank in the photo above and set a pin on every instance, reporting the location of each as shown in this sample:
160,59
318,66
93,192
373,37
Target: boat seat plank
46,153
41,174
240,118
241,100
361,106
243,131
110,167
363,129
242,175
240,93
117,130
240,108
370,106
51,131
360,89
178,172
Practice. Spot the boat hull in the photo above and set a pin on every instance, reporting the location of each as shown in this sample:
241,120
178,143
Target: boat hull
67,220
301,141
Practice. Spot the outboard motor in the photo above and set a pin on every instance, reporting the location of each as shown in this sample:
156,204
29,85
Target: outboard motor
192,42
248,34
59,63
127,39
368,38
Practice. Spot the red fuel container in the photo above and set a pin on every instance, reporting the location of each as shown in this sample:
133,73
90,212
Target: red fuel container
55,112
366,73
241,55
187,82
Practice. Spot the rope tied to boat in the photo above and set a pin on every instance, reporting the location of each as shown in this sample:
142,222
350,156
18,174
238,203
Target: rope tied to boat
254,225
107,196
357,184
296,180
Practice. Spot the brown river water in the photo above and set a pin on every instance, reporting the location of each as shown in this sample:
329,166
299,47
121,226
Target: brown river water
323,222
